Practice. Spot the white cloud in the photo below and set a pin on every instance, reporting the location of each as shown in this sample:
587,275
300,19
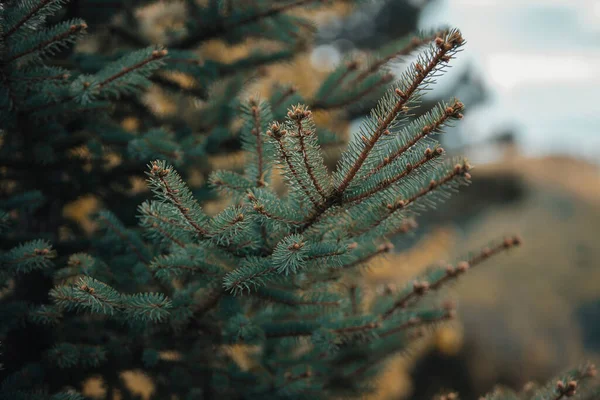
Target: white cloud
511,70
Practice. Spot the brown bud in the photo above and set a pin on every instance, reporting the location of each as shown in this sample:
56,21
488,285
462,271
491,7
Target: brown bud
86,288
420,287
400,204
86,84
296,246
486,252
446,58
450,270
400,93
428,152
432,184
409,166
590,371
159,53
419,68
352,65
439,151
517,241
386,132
439,41
462,266
155,167
467,175
385,247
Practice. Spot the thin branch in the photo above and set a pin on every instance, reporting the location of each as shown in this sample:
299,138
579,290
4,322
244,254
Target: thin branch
459,170
73,29
25,18
386,183
277,133
443,49
226,26
301,133
453,110
259,150
322,105
170,192
421,288
413,44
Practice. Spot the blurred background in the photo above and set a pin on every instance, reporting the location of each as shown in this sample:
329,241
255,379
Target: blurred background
529,78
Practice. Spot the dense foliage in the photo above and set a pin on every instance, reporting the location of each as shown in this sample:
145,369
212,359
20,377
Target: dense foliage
276,273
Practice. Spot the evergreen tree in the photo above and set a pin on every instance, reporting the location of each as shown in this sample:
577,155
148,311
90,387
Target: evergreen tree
277,274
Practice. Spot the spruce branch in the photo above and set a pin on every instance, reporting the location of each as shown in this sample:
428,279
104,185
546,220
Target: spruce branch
430,124
51,5
457,175
166,183
277,133
413,44
419,73
449,273
298,114
227,25
47,42
428,156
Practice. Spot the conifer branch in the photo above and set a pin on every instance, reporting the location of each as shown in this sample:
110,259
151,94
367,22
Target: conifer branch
452,111
443,48
383,80
154,56
298,114
381,249
160,173
58,38
419,321
277,134
386,183
402,204
26,17
349,68
225,26
420,288
412,45
257,131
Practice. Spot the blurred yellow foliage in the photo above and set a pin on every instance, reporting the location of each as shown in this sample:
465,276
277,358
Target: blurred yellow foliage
80,211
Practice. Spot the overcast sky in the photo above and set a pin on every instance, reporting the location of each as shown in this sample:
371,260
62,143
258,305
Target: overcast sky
541,61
